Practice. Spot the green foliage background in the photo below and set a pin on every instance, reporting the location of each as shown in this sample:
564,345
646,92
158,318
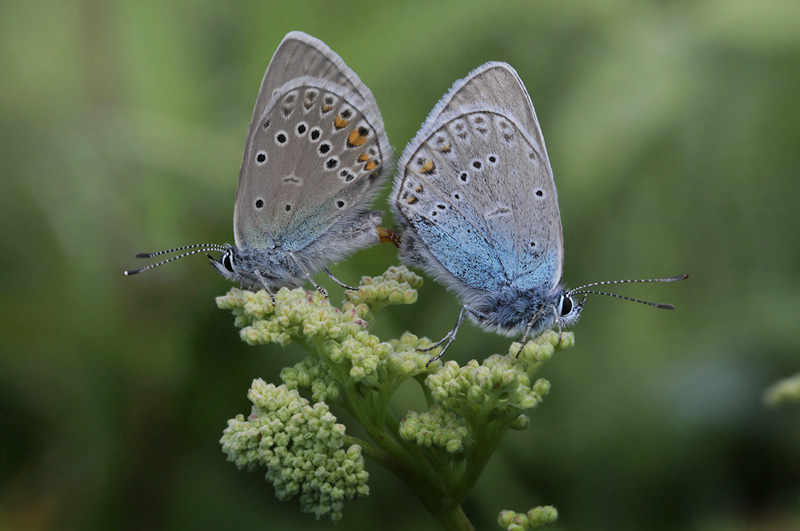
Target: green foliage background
672,128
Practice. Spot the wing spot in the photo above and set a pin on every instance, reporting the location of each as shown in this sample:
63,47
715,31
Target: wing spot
259,203
328,103
332,163
315,134
464,177
357,136
456,196
288,208
281,139
426,166
477,164
292,179
340,204
539,193
287,108
371,165
324,148
265,125
410,198
310,98
340,122
301,129
442,145
492,158
261,158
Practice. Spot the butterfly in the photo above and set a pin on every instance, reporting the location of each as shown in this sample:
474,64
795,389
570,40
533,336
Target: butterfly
475,194
315,154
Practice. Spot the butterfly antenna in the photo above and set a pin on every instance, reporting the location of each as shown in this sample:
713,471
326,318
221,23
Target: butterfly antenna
580,290
204,248
208,247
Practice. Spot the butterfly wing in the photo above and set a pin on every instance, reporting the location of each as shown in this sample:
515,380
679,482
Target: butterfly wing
315,151
475,189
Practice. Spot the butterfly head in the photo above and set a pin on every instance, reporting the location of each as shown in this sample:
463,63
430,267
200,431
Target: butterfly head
568,309
228,262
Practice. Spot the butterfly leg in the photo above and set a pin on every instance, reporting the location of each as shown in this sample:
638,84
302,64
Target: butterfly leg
342,284
450,336
307,274
265,285
524,337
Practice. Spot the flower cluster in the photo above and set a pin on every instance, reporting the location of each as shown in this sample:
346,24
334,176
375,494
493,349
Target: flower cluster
533,519
439,452
300,445
483,398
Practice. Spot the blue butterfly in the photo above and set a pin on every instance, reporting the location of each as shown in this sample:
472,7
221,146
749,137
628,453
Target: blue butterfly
476,197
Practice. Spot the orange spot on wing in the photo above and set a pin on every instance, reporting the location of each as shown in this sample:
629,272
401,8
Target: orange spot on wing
355,138
340,122
371,165
427,167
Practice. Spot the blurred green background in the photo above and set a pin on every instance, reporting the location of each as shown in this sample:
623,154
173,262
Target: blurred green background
672,128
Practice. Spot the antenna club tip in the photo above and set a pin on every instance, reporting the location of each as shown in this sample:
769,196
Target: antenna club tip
665,306
130,272
683,276
144,255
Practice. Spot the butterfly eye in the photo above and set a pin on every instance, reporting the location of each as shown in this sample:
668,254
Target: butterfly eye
227,261
565,305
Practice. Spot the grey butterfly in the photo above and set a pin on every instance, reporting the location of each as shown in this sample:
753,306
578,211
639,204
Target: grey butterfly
315,154
476,197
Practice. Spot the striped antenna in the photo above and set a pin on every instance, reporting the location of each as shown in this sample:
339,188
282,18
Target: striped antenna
203,247
580,290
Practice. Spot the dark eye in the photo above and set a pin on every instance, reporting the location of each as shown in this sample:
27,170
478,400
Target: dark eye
227,261
566,305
